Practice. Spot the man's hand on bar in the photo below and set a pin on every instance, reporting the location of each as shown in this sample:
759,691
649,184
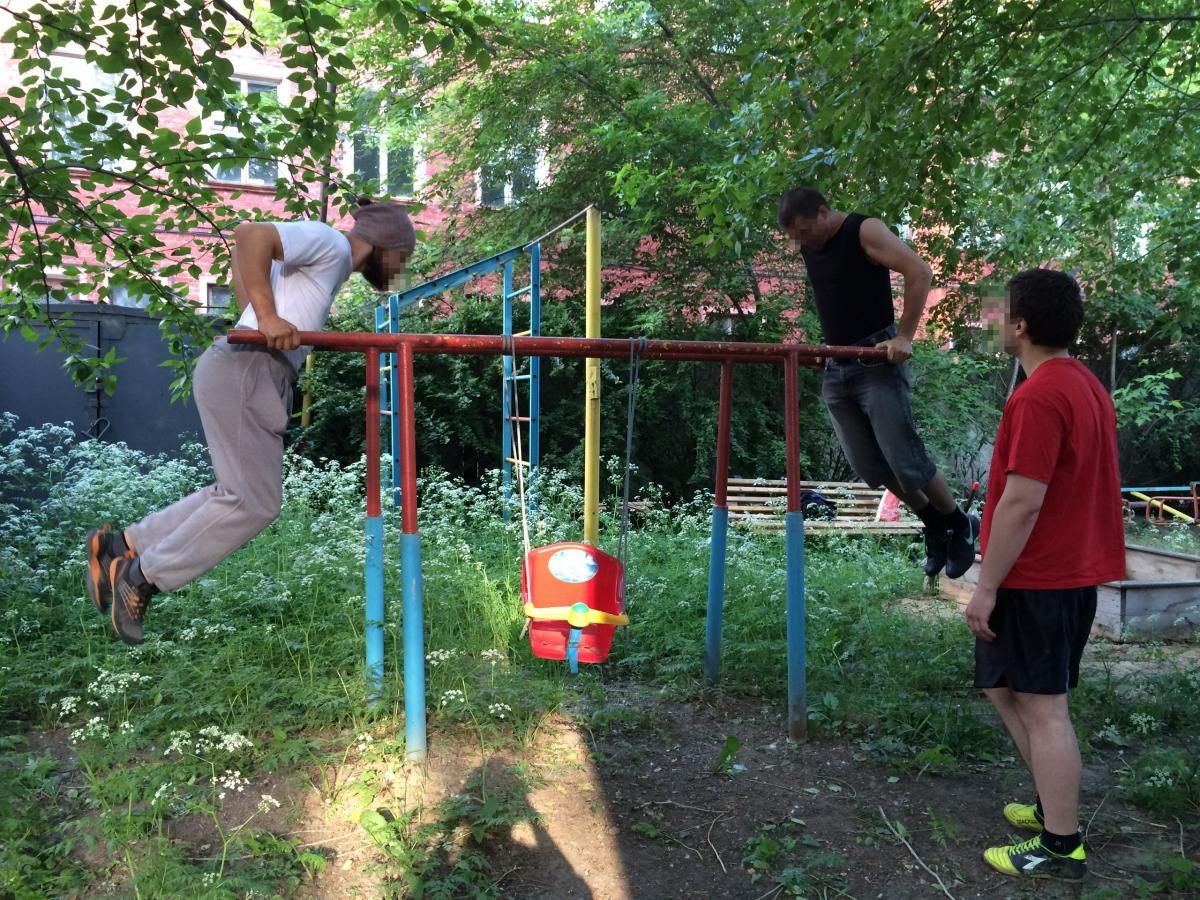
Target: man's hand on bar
280,333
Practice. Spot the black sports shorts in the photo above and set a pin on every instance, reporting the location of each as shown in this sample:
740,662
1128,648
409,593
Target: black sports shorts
1040,637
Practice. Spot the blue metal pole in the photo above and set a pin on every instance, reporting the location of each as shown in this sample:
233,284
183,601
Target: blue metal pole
716,594
414,647
796,629
796,635
374,626
506,438
720,530
412,583
535,373
394,400
373,568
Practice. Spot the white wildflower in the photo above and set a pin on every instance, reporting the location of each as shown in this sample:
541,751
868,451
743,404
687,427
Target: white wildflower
67,706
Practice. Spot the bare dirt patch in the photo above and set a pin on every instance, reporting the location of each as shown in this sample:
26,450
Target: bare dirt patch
638,811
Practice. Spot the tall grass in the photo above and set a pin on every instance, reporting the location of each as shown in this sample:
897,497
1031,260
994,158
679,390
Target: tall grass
259,666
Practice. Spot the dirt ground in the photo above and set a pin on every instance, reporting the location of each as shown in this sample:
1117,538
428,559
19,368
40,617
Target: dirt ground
638,811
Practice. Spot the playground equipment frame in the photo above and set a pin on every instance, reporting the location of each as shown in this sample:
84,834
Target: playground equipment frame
406,346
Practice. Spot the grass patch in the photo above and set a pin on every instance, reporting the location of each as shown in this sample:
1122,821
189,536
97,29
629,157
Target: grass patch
255,672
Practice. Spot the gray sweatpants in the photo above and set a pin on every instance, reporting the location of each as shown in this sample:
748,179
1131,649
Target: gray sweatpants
243,394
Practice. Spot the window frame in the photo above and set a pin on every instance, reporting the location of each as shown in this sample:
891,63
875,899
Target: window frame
220,171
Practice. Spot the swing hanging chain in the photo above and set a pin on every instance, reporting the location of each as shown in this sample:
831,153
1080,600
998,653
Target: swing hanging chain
637,346
514,425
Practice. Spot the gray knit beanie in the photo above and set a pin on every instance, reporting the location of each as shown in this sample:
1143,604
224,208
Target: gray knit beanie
385,225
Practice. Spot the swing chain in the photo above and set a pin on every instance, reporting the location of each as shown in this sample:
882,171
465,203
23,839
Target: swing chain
637,347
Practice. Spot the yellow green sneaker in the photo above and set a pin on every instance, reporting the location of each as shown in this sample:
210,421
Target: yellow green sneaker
1030,859
1023,815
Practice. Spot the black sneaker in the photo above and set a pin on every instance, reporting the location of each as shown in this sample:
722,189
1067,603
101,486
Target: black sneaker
960,554
936,540
100,549
131,594
1029,859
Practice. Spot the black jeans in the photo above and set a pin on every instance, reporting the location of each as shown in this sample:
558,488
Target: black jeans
869,403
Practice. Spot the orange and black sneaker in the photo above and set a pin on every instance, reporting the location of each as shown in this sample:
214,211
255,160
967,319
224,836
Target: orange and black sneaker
131,594
102,546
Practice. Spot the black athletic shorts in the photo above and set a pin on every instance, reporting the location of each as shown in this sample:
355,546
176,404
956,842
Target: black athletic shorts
1040,637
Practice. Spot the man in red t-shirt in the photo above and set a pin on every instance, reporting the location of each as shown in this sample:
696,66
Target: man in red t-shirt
1052,532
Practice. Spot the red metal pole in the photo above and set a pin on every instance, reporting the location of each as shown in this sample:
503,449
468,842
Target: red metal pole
373,432
791,418
611,348
408,438
723,415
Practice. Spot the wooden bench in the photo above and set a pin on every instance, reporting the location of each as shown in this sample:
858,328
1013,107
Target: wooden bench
761,502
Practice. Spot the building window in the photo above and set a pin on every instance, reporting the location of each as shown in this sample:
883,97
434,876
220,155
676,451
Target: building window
380,168
120,295
218,298
75,123
252,171
503,184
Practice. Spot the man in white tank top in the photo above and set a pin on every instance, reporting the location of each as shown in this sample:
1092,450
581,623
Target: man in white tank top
285,277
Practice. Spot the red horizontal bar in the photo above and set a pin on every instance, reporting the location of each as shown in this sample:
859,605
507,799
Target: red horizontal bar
610,348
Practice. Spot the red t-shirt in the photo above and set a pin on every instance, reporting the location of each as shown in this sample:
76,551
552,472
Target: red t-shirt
1059,427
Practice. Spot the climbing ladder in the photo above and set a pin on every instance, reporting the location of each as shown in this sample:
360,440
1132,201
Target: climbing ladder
520,409
520,417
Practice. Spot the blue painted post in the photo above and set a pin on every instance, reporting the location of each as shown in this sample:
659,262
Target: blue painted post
716,595
374,624
412,583
535,375
796,630
797,636
720,531
374,537
414,646
506,426
394,401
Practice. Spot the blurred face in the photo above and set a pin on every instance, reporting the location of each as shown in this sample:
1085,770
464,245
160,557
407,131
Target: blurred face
812,231
1003,330
383,267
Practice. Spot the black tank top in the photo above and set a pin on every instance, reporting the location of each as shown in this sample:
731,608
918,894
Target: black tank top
853,294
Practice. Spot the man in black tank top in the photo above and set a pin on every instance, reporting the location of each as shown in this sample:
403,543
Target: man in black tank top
850,258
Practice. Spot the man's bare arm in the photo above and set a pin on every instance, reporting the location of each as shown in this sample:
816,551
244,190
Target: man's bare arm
885,249
255,246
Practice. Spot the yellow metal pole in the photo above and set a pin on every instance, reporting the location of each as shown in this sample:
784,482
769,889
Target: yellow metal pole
306,401
591,371
1167,509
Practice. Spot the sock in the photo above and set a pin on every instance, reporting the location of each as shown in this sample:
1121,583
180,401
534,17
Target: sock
930,517
138,577
1039,813
1061,844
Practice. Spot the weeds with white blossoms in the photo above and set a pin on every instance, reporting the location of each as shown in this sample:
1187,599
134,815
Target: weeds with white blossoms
95,728
232,780
500,710
207,739
453,696
267,803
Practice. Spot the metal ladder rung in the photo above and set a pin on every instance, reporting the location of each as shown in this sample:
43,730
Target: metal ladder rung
385,412
525,377
520,291
515,461
525,333
519,419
